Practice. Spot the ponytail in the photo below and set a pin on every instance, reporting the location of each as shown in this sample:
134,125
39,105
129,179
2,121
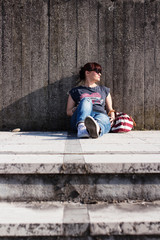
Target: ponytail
82,73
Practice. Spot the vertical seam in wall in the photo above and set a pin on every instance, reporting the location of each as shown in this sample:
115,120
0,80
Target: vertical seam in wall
21,51
124,22
144,62
76,35
89,32
31,68
58,39
12,41
2,49
98,9
133,83
113,34
105,43
134,90
113,48
155,36
48,105
144,67
48,42
30,73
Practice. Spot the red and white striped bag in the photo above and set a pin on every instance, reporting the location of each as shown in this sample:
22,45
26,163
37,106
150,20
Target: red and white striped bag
123,123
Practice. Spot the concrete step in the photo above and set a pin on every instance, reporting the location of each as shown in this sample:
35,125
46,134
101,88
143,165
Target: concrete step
62,142
56,166
98,178
76,220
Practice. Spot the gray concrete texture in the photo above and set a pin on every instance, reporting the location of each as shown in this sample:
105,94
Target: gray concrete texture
76,220
116,174
43,44
134,237
59,167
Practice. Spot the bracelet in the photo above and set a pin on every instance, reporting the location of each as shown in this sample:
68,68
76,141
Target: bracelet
111,111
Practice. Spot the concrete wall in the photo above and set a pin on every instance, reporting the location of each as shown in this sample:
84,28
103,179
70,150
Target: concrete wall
43,43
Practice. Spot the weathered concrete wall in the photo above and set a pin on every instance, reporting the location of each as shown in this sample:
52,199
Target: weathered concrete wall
43,44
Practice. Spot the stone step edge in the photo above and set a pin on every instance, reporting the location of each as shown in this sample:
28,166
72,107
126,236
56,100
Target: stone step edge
68,219
79,164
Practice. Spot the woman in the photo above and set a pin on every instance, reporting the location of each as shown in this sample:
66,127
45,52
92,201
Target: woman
89,103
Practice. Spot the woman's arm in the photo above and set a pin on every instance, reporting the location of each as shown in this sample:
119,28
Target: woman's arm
109,108
70,106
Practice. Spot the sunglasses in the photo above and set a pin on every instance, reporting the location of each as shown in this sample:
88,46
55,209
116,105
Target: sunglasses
97,70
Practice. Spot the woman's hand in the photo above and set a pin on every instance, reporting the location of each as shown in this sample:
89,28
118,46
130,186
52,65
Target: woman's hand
110,109
112,120
112,117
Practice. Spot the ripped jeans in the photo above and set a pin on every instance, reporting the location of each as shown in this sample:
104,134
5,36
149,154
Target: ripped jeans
84,109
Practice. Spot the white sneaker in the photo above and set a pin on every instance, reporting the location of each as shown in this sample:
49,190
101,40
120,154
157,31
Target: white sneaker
92,127
82,131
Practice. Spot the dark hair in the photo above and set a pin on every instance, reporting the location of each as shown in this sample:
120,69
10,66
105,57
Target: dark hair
88,67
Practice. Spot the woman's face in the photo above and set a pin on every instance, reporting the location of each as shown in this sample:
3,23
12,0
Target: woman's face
93,76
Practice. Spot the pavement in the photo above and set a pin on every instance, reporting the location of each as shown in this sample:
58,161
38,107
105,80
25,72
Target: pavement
63,142
35,164
29,152
63,219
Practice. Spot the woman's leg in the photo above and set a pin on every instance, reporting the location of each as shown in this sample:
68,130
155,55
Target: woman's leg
103,121
97,124
83,110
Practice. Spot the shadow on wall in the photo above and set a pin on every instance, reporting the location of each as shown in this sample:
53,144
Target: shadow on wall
42,110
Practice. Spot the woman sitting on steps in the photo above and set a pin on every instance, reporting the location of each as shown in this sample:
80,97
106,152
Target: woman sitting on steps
89,103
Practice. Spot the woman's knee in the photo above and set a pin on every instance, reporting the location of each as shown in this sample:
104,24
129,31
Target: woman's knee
86,100
103,118
86,103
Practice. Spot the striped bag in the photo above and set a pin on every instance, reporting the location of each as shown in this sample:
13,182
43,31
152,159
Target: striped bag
122,123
